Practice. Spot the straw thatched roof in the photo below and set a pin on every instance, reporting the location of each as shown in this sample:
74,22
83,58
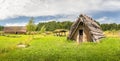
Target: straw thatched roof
60,30
15,29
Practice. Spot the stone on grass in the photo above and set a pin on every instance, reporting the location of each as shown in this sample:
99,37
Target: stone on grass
21,45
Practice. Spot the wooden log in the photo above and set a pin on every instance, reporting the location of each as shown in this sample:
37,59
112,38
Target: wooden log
94,29
98,37
89,20
96,33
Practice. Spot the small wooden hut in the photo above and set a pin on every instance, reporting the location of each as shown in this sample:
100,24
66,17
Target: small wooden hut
15,29
85,29
60,32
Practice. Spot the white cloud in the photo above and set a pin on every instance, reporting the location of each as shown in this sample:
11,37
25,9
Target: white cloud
14,8
102,19
106,20
15,24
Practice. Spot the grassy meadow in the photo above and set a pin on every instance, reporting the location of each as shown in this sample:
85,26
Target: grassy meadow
53,48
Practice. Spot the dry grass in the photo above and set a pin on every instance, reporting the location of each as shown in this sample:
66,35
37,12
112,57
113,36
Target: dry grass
112,33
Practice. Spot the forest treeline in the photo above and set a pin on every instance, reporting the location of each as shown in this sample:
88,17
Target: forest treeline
53,25
112,26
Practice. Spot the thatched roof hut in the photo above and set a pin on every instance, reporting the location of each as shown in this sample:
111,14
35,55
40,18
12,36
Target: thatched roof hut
15,29
60,32
85,29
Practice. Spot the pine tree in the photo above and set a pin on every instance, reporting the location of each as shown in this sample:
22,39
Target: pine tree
31,26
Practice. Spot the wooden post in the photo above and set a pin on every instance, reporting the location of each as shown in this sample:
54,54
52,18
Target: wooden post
65,33
78,41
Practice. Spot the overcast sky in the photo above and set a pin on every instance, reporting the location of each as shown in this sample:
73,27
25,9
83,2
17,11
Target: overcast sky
18,12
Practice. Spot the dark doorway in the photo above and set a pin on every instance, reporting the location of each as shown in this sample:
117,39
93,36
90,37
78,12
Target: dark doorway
80,32
81,35
16,32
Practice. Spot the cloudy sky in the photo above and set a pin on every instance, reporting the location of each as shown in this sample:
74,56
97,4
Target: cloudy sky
18,12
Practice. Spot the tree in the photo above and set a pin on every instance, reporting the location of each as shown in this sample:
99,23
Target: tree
1,28
31,26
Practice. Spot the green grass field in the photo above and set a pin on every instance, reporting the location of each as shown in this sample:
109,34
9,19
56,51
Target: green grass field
53,48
